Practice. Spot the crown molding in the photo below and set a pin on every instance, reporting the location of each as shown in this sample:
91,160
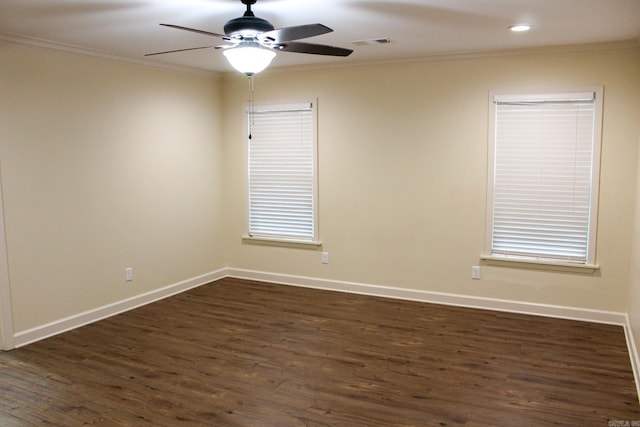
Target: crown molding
558,50
587,48
51,46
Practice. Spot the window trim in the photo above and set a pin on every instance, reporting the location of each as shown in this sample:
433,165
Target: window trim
315,242
590,265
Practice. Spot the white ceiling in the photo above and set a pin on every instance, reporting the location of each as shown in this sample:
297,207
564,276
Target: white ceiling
129,28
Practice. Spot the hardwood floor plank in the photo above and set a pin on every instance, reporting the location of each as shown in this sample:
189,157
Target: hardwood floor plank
243,353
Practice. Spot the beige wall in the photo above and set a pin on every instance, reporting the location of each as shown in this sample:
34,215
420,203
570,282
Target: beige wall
634,275
403,162
105,166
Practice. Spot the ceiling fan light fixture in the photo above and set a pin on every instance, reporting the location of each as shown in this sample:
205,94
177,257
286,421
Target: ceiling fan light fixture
250,59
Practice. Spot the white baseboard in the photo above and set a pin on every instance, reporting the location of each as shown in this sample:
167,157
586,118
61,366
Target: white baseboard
23,338
38,333
633,353
562,312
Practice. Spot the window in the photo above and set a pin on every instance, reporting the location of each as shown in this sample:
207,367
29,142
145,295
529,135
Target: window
281,172
543,176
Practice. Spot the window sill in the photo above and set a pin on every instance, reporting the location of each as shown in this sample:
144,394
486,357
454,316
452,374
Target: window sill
268,241
540,265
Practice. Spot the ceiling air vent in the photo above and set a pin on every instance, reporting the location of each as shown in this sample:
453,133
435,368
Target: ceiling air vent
368,42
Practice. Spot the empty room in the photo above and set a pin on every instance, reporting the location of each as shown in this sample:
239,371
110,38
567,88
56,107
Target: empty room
336,212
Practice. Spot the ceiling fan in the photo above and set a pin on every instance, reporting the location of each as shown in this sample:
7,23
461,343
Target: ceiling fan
252,42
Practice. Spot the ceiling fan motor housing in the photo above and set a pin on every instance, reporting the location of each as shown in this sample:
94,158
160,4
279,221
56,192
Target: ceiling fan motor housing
248,26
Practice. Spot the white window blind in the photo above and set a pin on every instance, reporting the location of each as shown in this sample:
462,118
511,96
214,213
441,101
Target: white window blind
544,182
282,173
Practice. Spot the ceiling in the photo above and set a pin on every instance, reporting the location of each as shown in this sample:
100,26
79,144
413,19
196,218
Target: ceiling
416,28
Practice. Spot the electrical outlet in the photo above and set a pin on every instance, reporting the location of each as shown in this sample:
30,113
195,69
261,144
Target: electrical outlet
128,274
325,257
475,272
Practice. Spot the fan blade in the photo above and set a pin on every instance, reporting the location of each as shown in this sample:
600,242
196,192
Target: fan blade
180,50
293,33
314,49
193,30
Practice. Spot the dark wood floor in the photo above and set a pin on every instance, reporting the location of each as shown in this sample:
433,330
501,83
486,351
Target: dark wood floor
240,353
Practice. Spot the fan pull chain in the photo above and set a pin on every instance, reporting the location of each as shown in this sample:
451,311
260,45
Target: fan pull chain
251,122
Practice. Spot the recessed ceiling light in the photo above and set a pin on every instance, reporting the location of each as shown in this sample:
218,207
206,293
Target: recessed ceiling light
520,28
